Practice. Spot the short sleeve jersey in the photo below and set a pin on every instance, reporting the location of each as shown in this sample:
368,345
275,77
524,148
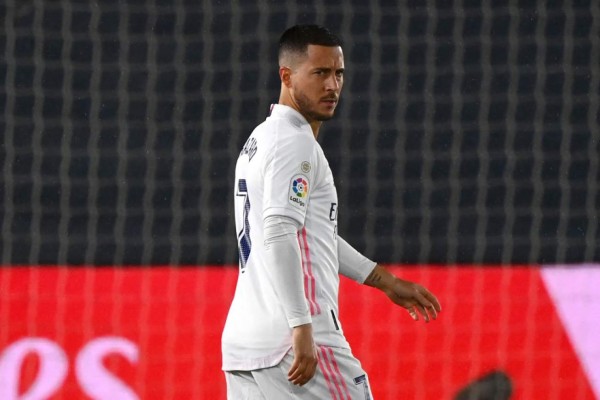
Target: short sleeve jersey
282,171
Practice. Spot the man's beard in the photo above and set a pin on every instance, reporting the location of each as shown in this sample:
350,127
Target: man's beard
305,108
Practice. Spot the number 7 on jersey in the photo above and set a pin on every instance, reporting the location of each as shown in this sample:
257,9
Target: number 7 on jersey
244,242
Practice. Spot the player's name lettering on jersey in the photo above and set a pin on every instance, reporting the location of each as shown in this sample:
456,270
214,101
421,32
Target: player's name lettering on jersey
250,148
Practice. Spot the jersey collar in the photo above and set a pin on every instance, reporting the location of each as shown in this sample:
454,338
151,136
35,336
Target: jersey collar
286,112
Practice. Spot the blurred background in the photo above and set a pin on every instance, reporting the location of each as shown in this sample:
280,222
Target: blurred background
465,152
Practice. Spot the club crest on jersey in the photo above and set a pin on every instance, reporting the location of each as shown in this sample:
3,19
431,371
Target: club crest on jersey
298,192
305,167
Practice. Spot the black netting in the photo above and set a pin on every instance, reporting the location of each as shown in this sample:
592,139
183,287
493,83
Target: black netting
467,132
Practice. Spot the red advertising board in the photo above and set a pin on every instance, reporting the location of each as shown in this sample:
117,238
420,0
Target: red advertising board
154,333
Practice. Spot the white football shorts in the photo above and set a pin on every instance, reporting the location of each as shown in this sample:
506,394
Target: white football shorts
339,376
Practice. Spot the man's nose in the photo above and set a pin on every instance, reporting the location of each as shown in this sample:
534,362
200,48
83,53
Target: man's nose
332,83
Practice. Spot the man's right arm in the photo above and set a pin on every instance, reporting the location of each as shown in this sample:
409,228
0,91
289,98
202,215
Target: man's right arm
284,265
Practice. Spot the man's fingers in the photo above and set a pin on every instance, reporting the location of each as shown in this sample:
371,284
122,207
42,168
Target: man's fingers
295,370
423,312
416,299
301,371
413,313
297,377
433,300
310,371
301,377
423,304
429,301
429,308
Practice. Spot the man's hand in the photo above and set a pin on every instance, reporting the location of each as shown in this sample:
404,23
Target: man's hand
413,297
304,365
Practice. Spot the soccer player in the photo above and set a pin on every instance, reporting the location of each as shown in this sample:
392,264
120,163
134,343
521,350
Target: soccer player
283,338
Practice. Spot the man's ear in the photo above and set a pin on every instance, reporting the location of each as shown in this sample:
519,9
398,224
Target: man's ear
285,74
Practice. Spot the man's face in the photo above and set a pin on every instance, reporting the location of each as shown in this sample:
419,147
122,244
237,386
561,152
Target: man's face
317,82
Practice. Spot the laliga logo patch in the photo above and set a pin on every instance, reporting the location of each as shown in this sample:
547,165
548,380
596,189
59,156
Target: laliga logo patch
298,191
300,187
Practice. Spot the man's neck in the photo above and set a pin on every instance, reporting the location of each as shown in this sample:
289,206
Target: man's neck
314,124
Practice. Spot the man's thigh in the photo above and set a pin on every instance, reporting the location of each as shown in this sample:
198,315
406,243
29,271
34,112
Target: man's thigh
339,376
242,386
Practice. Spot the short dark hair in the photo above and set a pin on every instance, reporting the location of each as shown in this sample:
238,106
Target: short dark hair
297,38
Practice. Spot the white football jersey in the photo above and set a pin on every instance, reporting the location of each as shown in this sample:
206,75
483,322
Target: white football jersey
282,171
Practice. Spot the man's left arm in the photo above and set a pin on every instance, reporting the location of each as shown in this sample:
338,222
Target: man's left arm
353,265
413,297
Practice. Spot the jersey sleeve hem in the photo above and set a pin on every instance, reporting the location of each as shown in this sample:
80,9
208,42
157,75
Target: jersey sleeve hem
353,264
294,322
